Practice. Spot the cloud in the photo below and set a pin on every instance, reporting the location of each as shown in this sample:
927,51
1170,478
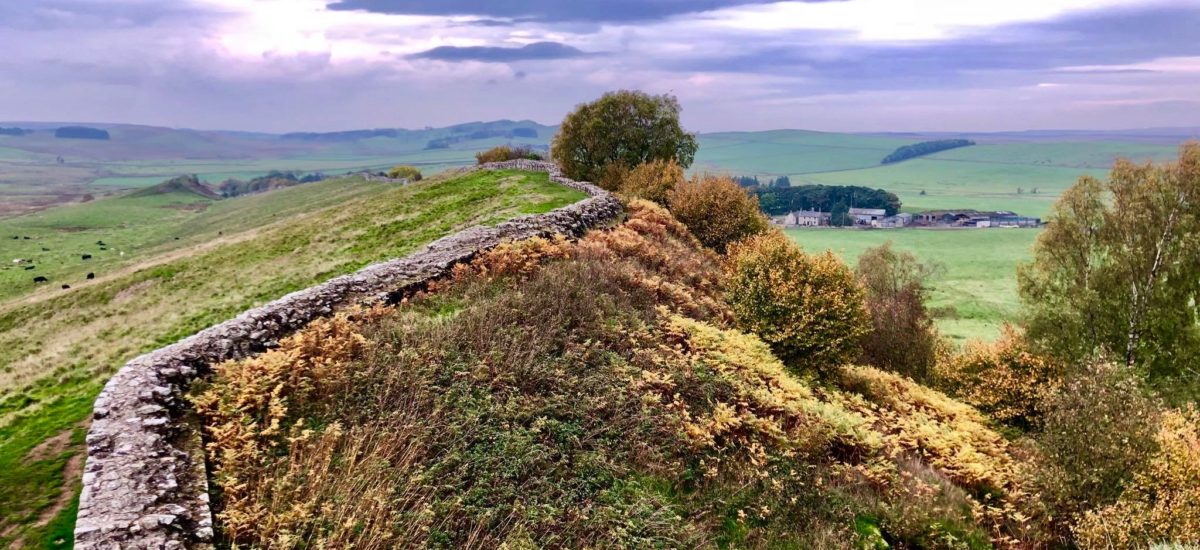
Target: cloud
558,11
497,54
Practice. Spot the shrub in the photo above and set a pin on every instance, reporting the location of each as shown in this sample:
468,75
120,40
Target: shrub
612,177
716,210
1097,433
1004,379
411,173
624,127
807,307
653,180
1163,502
903,338
501,153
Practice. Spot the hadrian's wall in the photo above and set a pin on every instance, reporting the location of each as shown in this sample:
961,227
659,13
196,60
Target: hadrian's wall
144,482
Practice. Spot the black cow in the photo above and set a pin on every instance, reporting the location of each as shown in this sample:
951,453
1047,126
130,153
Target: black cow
40,279
44,249
26,238
29,267
66,287
101,243
87,256
91,275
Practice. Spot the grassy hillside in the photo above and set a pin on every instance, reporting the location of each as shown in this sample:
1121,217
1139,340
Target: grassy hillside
975,293
57,346
591,395
32,178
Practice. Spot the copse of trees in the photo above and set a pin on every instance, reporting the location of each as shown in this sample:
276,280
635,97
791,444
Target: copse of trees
501,153
777,201
81,132
624,128
14,132
923,148
411,173
1116,268
273,180
753,181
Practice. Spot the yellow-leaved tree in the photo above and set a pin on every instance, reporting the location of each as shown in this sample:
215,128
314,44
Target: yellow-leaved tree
808,307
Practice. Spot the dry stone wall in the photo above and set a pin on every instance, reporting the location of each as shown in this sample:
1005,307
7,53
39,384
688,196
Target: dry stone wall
144,482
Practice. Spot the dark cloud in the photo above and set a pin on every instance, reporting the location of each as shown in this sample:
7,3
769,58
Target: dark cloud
1116,37
557,11
496,54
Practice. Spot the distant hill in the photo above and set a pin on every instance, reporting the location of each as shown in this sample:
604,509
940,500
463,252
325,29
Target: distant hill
181,184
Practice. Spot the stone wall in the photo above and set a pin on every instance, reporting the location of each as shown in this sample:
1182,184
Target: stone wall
144,482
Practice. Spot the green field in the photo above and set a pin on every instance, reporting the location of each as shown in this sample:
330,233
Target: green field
987,176
57,347
976,290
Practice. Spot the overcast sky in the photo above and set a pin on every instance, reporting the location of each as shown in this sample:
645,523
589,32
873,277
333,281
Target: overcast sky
848,65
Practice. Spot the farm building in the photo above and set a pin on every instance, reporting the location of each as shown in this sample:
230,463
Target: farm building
803,218
867,216
902,219
975,218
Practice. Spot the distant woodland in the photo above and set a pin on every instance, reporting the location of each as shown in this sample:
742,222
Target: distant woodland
837,199
14,131
81,132
925,148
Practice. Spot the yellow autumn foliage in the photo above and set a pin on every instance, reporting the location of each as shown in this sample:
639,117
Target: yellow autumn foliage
951,437
653,181
808,307
1163,503
716,210
1003,379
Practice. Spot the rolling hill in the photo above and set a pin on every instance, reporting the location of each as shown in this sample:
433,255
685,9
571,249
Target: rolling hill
163,272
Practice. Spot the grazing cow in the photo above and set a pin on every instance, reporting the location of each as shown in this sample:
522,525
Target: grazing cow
101,243
91,275
40,279
104,248
29,267
87,256
177,238
66,287
26,238
44,249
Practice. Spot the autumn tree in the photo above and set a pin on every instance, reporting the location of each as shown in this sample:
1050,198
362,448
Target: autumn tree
807,307
716,210
627,128
903,338
1116,268
653,180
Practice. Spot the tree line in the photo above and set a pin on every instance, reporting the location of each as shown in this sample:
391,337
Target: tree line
273,180
81,132
925,148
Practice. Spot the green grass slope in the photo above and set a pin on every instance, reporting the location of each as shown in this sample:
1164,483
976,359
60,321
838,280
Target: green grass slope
974,294
57,346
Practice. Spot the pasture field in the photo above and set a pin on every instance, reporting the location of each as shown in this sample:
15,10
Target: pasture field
976,289
57,347
987,176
